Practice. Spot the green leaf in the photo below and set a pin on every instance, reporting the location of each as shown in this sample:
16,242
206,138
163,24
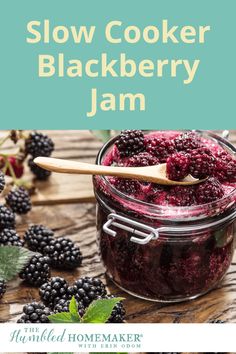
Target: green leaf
12,260
62,317
73,309
100,310
102,135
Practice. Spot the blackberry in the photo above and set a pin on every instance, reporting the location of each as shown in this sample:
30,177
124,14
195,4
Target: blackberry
39,144
63,306
2,181
118,313
63,253
3,287
217,321
225,168
37,271
182,196
54,290
35,313
127,186
37,237
19,200
87,289
160,147
187,141
9,237
7,218
130,142
177,166
202,163
143,159
39,172
209,191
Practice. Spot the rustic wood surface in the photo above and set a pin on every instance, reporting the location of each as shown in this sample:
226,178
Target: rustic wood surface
66,204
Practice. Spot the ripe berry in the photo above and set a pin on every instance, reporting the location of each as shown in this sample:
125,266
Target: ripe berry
2,181
54,290
202,163
127,186
16,165
19,200
182,196
7,218
118,312
35,313
187,142
87,289
63,254
177,166
63,306
130,142
209,191
3,287
39,172
142,159
39,144
160,148
37,237
37,271
9,237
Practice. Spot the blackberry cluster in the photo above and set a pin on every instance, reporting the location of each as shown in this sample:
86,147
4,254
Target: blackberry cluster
202,163
2,181
7,218
87,289
118,313
177,166
40,173
182,196
187,142
209,191
9,237
2,287
225,168
143,159
19,200
160,147
130,142
39,144
127,186
37,237
63,306
53,291
37,271
63,254
35,313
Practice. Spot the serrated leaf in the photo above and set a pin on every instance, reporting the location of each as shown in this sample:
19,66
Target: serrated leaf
73,309
102,135
100,310
12,260
62,317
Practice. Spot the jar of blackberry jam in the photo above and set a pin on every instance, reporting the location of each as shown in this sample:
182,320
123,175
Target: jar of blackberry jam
162,243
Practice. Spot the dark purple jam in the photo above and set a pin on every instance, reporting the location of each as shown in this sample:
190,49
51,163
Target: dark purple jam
183,262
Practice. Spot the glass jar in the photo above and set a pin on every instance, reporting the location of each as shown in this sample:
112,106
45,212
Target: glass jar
164,253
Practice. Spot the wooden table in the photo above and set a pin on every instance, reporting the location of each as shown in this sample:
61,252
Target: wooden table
66,204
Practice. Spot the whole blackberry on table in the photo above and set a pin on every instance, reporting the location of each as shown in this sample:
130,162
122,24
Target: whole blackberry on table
63,306
7,218
19,200
118,313
37,271
63,253
3,287
87,289
217,321
39,172
39,144
35,313
9,237
130,142
160,147
177,166
53,291
202,163
187,141
2,181
37,237
209,191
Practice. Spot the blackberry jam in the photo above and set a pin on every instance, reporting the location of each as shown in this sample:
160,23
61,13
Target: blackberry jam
166,244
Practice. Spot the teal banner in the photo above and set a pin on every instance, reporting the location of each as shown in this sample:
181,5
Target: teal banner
102,64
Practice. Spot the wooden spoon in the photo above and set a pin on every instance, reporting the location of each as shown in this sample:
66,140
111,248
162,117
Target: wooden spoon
156,174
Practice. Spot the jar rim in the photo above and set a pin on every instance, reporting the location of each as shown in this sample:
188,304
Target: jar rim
162,209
